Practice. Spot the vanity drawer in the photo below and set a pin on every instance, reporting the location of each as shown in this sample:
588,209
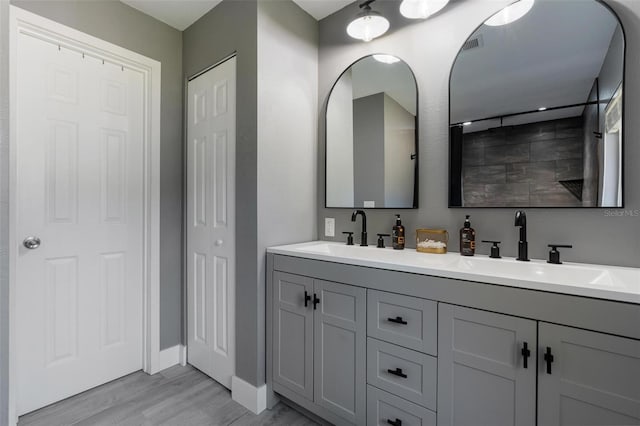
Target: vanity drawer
409,374
384,409
407,321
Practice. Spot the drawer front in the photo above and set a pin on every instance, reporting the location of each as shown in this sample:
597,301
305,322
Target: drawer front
406,321
384,409
409,374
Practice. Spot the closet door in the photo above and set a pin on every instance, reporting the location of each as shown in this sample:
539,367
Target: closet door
211,226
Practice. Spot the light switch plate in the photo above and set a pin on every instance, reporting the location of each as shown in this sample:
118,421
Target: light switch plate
329,227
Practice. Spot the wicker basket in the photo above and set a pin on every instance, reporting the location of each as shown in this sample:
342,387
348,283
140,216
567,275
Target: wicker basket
432,241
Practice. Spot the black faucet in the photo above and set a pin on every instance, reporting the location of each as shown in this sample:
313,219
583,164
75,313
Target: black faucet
363,236
521,221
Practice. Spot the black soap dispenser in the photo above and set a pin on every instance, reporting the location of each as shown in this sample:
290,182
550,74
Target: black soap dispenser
398,234
467,239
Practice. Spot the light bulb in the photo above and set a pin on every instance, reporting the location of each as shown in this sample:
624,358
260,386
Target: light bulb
368,26
386,59
421,9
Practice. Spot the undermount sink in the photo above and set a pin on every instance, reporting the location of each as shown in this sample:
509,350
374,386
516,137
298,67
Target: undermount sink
536,270
372,253
611,282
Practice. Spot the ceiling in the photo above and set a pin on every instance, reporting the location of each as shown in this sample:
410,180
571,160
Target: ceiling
180,14
320,9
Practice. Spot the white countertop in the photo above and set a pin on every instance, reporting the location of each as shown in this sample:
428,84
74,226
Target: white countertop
598,281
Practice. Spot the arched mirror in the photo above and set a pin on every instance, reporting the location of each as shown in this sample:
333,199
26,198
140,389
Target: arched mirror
371,142
536,108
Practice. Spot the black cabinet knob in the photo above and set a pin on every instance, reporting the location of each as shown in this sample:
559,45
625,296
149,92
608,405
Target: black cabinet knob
396,422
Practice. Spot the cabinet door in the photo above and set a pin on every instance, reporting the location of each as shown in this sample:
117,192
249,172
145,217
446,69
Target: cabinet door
340,350
594,378
482,380
293,333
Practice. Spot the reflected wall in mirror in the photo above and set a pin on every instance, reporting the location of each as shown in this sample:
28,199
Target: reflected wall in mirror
371,142
536,109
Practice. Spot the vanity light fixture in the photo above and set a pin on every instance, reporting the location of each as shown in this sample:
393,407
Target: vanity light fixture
542,109
421,9
510,13
467,123
386,59
368,24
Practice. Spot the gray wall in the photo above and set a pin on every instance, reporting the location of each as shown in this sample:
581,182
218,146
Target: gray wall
368,150
287,139
232,27
117,23
430,47
4,210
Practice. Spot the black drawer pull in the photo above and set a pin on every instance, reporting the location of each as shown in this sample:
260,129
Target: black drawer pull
397,372
396,422
397,320
307,298
315,301
548,357
526,353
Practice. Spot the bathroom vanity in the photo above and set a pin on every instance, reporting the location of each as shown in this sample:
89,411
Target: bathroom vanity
362,335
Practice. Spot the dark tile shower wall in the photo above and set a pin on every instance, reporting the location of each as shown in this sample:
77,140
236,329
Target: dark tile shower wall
521,165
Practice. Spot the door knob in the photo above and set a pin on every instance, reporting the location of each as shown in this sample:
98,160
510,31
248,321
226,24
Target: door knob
31,243
218,243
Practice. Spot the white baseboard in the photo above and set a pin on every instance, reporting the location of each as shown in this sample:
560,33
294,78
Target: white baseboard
171,356
251,397
183,355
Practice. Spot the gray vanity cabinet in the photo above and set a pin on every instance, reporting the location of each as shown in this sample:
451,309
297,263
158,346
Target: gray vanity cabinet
319,346
584,377
594,378
482,376
340,350
386,347
293,333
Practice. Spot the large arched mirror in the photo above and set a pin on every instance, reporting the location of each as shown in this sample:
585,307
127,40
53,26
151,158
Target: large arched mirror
371,143
536,117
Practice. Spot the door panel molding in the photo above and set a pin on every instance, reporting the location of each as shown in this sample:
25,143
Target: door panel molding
210,221
30,24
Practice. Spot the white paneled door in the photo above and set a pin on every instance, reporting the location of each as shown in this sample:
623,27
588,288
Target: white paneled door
80,193
211,223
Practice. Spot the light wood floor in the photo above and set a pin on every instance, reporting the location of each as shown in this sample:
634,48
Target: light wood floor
178,396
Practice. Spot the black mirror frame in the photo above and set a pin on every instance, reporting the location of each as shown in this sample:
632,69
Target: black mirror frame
416,178
623,142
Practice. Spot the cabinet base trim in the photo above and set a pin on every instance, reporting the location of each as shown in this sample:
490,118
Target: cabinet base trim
251,397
